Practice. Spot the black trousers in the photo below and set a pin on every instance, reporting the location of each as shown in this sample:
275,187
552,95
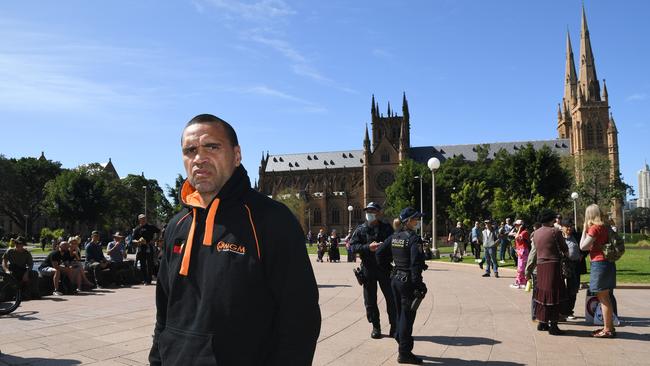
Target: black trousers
146,265
373,277
403,292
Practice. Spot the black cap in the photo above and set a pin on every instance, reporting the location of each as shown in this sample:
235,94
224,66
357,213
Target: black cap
20,240
409,213
373,206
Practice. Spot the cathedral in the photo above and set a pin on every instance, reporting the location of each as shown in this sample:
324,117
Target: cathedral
330,183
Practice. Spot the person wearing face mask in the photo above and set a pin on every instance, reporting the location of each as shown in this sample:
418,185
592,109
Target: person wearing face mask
405,249
365,241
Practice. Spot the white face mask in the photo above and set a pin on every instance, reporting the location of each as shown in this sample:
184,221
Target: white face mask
370,217
418,225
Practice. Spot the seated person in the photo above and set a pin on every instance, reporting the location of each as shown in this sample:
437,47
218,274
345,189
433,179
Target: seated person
18,262
75,253
95,260
116,251
55,264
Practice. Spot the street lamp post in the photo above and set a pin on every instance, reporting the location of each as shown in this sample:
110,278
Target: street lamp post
574,197
145,200
26,217
420,178
433,164
350,208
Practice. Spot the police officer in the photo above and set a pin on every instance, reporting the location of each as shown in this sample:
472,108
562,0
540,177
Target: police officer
366,239
405,249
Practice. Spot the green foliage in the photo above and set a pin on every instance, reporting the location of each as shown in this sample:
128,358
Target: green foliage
175,192
595,186
405,191
291,198
640,218
50,234
21,191
504,185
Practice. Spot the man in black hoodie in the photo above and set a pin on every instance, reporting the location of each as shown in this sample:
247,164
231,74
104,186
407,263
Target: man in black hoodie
235,285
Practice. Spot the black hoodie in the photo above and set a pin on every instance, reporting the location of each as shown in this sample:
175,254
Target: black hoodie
246,295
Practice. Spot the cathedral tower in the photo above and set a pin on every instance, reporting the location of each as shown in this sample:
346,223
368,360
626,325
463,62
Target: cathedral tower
583,114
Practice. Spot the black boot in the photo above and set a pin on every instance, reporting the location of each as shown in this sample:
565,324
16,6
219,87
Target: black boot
409,358
393,332
554,330
542,327
376,331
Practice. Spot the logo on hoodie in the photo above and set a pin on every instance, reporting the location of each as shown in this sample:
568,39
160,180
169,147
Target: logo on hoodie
231,247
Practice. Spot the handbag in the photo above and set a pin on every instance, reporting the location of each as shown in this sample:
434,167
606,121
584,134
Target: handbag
567,268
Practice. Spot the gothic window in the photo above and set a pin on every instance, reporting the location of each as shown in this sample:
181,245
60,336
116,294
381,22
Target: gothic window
385,157
600,136
589,136
317,217
356,215
336,216
395,133
341,185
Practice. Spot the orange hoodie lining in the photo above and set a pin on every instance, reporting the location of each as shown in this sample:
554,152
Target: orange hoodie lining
209,223
259,256
185,263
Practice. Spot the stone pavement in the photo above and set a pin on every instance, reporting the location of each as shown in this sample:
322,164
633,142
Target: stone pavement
465,319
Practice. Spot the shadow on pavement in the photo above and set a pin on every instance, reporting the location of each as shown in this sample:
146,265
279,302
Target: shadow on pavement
619,335
15,360
22,315
332,286
635,322
457,341
457,361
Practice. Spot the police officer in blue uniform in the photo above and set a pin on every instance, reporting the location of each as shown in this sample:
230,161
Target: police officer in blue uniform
365,240
404,248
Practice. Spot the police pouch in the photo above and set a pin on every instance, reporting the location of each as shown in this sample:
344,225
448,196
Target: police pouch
358,273
417,299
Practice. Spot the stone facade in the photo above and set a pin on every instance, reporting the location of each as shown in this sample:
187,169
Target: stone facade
329,182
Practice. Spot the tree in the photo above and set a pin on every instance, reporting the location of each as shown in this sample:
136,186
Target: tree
640,216
470,202
405,190
175,192
21,191
296,204
595,185
158,207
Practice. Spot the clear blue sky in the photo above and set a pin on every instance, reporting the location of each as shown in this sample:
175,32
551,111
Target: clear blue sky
87,80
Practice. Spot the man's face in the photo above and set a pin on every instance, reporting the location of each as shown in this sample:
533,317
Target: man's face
95,238
142,220
209,157
63,248
20,247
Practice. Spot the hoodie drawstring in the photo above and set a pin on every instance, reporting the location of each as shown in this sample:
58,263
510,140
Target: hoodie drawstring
185,263
207,236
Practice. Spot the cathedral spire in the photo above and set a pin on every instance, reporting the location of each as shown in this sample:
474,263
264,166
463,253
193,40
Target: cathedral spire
605,95
405,106
588,78
373,111
389,112
570,77
366,140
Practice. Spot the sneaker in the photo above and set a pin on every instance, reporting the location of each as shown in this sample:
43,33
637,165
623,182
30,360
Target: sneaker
57,293
376,333
480,264
571,317
486,275
477,261
496,274
515,286
502,262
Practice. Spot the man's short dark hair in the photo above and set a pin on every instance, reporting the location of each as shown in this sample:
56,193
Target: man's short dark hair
212,119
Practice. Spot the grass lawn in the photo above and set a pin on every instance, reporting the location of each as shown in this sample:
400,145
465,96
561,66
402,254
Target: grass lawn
633,267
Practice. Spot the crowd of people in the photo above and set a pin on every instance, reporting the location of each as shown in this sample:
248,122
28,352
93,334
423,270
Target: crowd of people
72,271
550,257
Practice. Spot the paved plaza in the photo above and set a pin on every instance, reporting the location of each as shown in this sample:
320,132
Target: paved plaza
464,320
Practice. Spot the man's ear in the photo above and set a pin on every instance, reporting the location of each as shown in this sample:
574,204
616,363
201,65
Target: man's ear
237,155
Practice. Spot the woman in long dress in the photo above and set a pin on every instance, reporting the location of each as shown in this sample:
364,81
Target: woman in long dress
551,290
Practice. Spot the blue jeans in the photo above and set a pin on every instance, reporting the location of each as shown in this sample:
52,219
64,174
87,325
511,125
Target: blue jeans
503,245
491,259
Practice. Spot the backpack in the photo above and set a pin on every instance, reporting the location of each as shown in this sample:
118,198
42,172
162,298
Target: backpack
615,246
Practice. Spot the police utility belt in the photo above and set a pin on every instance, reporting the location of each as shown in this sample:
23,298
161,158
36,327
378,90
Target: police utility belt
400,275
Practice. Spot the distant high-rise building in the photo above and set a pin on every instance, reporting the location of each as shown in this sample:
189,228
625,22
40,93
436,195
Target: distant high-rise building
644,187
